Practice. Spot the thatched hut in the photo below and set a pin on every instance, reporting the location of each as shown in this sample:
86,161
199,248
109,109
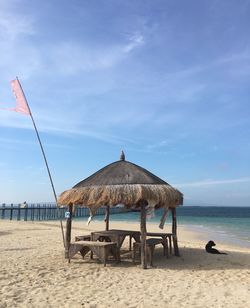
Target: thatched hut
122,182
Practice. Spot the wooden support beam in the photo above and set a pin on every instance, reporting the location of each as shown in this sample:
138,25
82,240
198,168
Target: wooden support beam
173,211
143,236
107,211
68,231
174,231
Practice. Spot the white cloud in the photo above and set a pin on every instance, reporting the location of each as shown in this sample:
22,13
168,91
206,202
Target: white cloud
238,195
161,144
72,57
22,55
63,58
136,40
12,23
18,53
17,143
232,61
213,182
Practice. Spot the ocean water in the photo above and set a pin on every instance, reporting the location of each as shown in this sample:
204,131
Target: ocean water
230,225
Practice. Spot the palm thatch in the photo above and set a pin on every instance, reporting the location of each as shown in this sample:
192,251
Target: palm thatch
122,182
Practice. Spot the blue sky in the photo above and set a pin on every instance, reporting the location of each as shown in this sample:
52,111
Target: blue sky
165,81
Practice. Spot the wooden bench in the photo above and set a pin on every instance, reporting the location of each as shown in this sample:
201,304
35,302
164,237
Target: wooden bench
168,237
150,247
101,249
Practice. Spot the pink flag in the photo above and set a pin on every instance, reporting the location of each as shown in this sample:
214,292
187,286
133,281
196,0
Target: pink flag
21,103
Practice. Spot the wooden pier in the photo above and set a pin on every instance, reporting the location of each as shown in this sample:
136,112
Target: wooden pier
46,211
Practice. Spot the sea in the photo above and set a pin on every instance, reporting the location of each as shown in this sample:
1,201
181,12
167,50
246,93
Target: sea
230,225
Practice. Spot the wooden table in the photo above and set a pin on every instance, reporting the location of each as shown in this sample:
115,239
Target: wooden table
116,236
169,237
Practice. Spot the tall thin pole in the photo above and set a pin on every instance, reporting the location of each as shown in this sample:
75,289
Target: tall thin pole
44,156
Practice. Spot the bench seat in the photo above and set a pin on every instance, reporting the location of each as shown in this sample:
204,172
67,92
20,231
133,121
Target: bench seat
150,247
101,249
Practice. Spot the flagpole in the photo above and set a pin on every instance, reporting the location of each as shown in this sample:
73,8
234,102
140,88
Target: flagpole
44,156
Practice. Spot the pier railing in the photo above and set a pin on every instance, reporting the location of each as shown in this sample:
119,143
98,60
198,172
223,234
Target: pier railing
46,211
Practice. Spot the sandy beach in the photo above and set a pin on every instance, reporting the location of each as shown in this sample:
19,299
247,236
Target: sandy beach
34,272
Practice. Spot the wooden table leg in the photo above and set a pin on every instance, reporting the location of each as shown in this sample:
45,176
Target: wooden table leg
105,255
165,246
170,243
130,242
176,249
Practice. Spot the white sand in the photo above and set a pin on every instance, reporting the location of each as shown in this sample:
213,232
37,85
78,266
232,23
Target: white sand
34,273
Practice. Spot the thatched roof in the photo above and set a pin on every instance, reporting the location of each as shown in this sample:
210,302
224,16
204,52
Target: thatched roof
122,182
119,173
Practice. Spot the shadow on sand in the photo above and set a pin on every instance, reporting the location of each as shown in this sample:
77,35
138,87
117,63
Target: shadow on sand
190,259
199,259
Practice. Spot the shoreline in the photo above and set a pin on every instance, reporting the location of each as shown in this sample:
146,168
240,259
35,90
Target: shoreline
198,234
220,235
32,258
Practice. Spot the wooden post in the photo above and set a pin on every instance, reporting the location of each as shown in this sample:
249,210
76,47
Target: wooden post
32,212
25,218
3,210
68,231
36,211
174,231
143,235
11,211
44,212
19,212
107,210
173,220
